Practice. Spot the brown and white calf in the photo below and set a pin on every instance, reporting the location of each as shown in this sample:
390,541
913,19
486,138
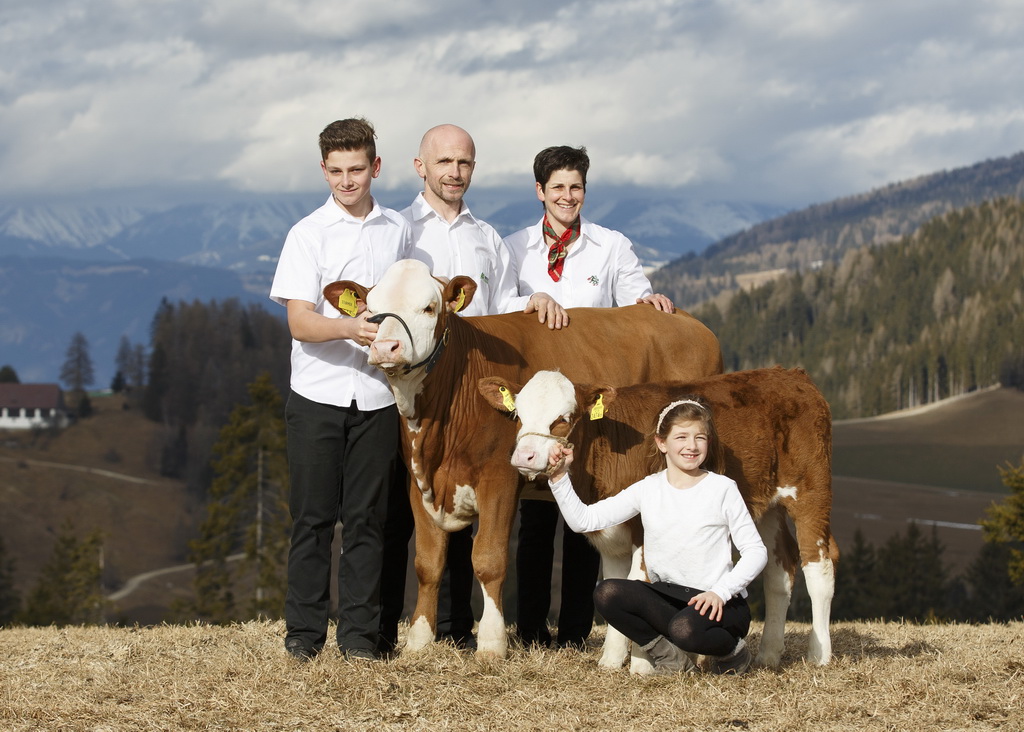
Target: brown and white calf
455,446
776,433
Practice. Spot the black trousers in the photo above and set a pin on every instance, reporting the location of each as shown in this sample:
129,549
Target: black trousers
454,610
340,461
581,563
642,611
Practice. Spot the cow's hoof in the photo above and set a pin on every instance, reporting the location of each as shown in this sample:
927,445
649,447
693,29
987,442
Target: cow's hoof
768,659
420,636
641,667
613,664
491,652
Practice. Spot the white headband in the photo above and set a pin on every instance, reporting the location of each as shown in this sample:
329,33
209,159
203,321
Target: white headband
670,407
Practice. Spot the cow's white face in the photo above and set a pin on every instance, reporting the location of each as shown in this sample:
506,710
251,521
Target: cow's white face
546,407
408,290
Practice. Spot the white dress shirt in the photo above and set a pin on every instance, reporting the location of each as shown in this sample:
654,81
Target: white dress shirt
327,246
466,246
600,270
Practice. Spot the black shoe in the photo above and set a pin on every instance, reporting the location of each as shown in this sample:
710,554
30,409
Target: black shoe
386,649
359,654
573,644
535,639
298,649
463,640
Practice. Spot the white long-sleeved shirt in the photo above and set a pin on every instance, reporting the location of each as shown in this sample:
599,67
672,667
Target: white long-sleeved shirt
324,247
687,531
466,246
600,270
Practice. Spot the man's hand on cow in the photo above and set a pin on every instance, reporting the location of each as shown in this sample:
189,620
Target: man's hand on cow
548,311
708,601
661,302
559,461
361,331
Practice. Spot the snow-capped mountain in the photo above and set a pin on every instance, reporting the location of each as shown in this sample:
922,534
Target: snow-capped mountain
102,269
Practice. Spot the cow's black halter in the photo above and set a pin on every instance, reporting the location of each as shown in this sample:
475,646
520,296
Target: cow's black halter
431,360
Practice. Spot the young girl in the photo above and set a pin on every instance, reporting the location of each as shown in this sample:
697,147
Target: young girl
696,599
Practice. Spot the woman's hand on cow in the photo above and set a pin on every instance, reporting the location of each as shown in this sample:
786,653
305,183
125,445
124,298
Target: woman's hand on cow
661,302
559,461
708,602
548,311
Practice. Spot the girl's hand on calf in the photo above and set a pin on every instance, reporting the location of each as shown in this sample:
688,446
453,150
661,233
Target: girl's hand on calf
559,461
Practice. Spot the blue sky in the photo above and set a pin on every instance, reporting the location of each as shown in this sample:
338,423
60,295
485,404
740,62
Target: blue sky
787,102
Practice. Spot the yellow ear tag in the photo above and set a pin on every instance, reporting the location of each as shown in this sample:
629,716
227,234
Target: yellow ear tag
347,303
460,301
507,399
597,411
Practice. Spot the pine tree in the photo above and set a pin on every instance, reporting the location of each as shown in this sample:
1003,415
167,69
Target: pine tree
912,582
9,599
247,511
857,584
68,591
77,371
993,597
1005,522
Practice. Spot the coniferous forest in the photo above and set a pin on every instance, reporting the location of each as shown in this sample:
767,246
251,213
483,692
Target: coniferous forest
935,314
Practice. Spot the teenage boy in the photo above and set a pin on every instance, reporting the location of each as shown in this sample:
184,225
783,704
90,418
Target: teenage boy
341,416
450,240
582,265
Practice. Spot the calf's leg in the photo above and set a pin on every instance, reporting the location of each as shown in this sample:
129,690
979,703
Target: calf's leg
431,548
778,577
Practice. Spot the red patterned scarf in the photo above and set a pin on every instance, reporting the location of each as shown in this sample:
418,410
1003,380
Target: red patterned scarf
556,253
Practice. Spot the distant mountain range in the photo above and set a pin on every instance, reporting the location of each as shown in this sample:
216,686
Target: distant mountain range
805,239
103,269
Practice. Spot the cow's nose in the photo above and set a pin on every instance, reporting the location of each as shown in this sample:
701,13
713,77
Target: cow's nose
525,456
387,347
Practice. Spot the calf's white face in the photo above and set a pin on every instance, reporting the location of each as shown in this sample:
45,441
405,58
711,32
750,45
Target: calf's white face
408,290
546,406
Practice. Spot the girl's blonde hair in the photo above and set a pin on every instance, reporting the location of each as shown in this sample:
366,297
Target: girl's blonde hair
688,408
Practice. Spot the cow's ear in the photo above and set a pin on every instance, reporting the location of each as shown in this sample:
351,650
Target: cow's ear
458,293
595,400
499,393
345,296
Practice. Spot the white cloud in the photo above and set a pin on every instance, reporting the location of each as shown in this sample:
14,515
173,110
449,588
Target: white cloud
786,101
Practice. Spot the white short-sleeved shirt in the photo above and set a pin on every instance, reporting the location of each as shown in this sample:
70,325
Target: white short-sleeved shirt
600,270
687,532
327,246
467,246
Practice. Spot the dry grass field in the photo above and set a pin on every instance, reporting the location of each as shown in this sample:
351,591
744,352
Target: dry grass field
883,677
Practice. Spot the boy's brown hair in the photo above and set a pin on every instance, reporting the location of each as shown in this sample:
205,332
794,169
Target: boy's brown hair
354,133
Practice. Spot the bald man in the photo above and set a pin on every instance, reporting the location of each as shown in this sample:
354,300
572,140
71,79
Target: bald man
451,241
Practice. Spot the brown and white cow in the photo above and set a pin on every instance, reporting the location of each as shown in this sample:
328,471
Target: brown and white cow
455,445
776,432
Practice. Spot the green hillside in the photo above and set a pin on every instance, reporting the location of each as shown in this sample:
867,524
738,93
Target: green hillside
935,314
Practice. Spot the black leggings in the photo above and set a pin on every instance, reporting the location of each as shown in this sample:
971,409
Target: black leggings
642,611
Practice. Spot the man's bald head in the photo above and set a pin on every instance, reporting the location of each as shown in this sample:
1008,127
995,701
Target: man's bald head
446,135
446,161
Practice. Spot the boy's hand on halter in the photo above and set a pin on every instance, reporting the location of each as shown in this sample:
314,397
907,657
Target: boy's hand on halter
708,601
558,462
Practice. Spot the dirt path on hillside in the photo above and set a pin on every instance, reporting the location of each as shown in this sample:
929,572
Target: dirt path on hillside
134,583
81,469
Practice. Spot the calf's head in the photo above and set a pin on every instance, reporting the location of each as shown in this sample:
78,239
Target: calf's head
410,307
548,407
